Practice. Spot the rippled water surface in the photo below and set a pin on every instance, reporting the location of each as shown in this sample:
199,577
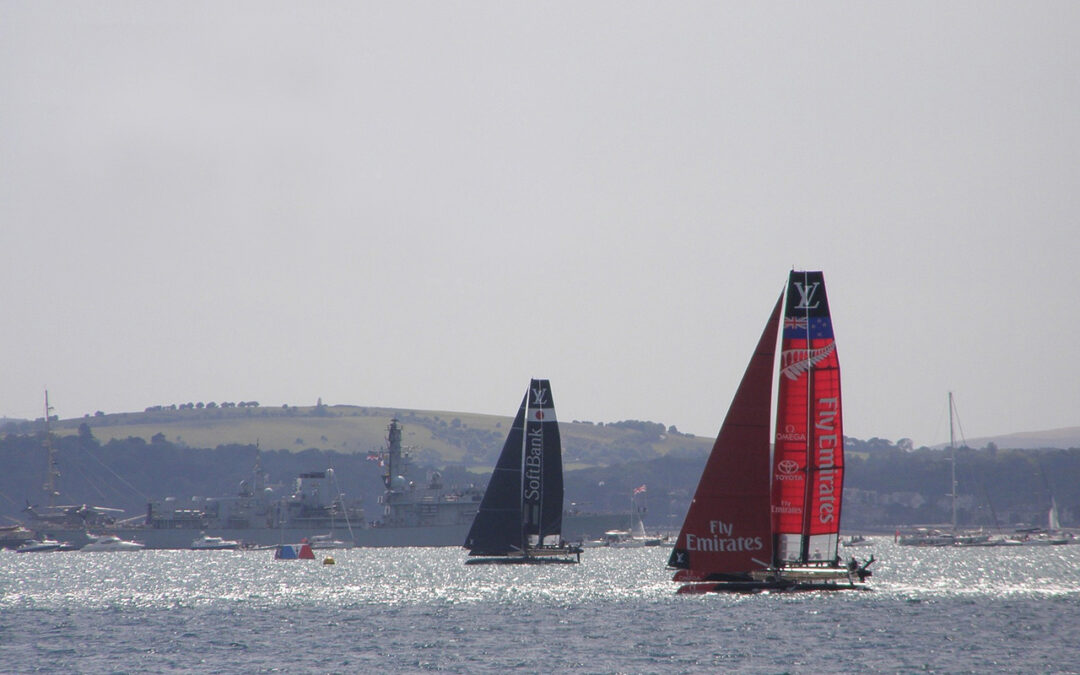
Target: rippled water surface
411,610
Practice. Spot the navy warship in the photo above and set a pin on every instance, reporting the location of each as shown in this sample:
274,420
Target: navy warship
262,515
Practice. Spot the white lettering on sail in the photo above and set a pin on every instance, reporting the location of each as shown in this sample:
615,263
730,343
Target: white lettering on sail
788,469
827,409
786,507
790,434
534,459
721,540
806,294
539,396
720,527
716,544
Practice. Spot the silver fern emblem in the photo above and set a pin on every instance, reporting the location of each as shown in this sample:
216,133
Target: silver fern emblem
795,362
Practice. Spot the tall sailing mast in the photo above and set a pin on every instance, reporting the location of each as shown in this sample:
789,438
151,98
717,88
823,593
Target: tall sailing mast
524,539
808,493
952,452
51,472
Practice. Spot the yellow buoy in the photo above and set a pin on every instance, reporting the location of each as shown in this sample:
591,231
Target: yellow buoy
328,560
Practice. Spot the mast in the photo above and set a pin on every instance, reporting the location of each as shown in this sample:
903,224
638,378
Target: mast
521,496
952,449
804,552
260,477
51,472
540,510
393,452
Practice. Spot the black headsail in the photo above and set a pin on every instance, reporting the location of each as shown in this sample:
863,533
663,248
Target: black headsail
522,506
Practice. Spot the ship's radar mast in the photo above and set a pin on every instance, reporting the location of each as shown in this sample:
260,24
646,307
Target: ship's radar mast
393,452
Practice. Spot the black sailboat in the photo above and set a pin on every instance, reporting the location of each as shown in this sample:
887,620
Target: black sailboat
520,517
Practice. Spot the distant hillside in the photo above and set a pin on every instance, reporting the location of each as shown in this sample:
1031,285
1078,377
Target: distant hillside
127,459
434,437
1064,439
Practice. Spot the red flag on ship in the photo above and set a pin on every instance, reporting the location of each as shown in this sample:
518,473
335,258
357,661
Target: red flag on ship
639,490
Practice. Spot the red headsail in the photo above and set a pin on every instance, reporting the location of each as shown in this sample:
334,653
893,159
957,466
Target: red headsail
727,531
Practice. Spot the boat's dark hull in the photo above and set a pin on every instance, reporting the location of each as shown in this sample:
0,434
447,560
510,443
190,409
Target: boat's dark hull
535,556
520,560
768,586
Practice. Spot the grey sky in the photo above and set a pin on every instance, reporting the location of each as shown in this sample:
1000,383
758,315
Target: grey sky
423,205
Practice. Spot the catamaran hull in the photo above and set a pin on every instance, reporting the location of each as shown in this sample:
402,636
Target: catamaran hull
519,560
556,555
769,586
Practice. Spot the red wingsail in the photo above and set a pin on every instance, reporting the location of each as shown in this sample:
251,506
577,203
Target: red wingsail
726,533
808,460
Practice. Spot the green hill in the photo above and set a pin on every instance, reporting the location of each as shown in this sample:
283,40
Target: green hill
126,459
434,437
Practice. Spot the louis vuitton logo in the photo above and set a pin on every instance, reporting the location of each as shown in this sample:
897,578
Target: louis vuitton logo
806,295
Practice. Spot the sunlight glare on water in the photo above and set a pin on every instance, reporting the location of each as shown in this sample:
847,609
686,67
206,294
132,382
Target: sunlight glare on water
416,609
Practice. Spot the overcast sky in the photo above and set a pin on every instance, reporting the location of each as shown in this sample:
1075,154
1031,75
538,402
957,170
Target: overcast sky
424,204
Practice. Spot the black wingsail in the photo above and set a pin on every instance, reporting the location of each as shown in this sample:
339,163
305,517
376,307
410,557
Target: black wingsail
542,475
522,506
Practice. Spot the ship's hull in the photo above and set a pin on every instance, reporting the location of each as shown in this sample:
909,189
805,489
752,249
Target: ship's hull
575,527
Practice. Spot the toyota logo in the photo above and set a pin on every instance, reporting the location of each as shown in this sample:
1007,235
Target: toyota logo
787,466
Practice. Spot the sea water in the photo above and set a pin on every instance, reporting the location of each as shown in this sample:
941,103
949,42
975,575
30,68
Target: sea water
423,610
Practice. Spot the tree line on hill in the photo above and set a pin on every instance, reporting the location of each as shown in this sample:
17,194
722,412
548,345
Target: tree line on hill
885,486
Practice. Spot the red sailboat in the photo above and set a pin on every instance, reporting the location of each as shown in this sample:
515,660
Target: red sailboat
762,521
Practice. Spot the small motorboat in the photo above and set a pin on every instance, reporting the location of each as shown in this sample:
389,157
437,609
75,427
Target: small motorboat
857,540
1046,539
110,542
43,546
622,539
208,543
326,541
14,536
592,543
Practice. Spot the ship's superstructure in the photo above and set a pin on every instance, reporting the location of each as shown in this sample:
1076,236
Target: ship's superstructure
425,513
258,506
406,504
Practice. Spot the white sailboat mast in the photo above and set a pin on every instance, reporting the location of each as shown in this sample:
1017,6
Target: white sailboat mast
952,449
51,473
